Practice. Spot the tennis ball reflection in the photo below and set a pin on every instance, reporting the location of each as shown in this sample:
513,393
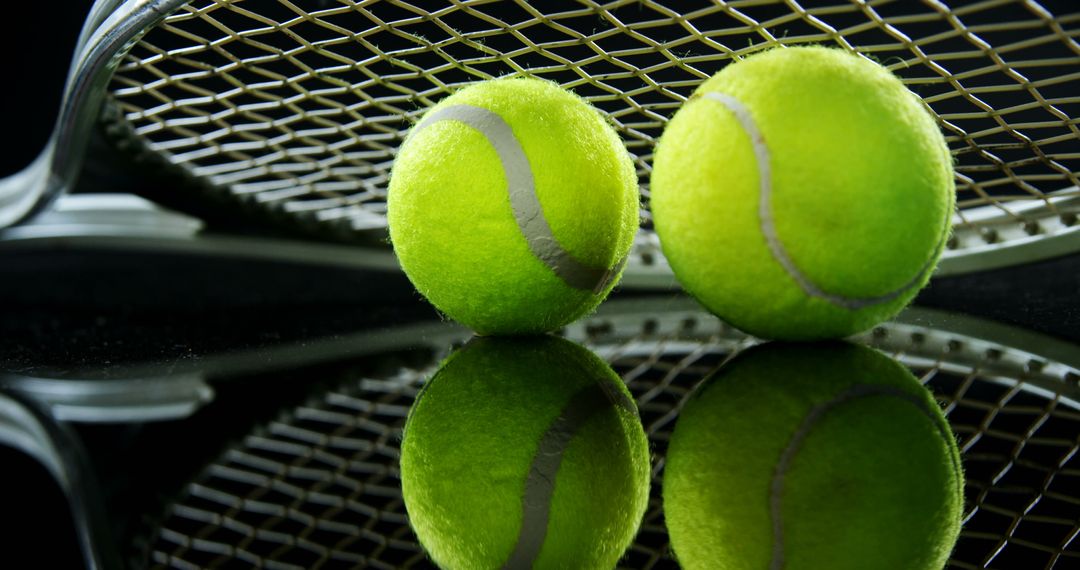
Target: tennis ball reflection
812,456
525,452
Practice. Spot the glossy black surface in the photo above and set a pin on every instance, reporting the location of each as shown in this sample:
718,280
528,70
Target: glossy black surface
268,337
94,310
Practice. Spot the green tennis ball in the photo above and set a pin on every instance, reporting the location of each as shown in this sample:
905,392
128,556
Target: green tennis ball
812,456
524,453
802,193
512,206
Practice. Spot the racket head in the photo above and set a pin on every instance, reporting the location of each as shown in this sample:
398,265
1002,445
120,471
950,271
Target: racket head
296,110
287,115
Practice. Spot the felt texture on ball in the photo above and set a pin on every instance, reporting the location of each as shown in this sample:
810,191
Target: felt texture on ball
512,206
524,453
809,456
803,193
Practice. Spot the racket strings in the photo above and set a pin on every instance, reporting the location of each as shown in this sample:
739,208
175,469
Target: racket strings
318,487
301,105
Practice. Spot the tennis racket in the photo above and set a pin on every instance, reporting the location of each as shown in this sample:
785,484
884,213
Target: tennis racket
290,112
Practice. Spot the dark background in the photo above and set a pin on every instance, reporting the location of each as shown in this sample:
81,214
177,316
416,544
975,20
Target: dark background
36,45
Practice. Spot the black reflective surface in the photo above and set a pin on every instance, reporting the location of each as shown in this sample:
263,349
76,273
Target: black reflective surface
224,356
74,310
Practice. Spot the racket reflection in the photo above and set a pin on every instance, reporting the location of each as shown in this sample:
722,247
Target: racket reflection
293,111
312,478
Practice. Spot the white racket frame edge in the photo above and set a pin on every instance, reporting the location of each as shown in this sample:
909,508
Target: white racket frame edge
111,28
27,427
1031,232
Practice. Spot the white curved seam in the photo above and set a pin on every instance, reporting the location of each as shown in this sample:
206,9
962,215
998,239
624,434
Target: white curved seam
528,213
540,481
768,226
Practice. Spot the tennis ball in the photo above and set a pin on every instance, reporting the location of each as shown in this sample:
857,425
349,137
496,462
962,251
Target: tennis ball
512,206
524,453
812,456
802,193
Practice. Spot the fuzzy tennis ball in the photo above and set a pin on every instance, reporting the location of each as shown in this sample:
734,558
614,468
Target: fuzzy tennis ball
812,456
802,193
524,453
512,206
